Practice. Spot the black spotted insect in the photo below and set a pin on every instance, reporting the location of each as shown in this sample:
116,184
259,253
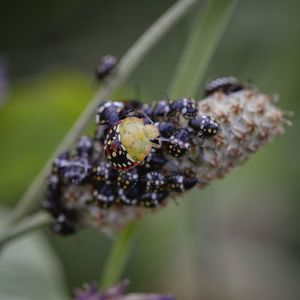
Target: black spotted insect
166,129
106,66
127,180
185,107
103,172
160,110
75,170
226,85
181,182
62,223
153,181
205,126
129,196
179,144
85,147
154,161
153,199
108,113
105,195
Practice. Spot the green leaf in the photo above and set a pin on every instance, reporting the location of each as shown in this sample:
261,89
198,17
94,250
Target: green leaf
30,270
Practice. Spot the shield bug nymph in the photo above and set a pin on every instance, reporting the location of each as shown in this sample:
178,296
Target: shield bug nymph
129,141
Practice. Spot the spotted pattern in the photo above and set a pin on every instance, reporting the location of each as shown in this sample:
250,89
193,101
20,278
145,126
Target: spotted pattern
177,148
106,195
115,153
186,107
155,181
129,196
205,126
126,180
181,182
74,170
85,146
103,173
153,199
120,180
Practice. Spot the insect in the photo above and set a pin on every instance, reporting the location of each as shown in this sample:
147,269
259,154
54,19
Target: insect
205,126
160,109
128,142
155,181
166,129
103,172
106,66
181,182
129,196
155,160
85,147
108,112
105,195
186,107
128,179
75,170
61,223
227,85
153,199
179,144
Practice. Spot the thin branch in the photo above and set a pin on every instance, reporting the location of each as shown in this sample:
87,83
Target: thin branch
29,224
128,63
205,35
118,256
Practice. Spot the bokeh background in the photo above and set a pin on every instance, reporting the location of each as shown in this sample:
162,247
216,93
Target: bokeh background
237,239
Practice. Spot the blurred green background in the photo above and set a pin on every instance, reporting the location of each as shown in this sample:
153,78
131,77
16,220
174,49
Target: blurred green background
238,238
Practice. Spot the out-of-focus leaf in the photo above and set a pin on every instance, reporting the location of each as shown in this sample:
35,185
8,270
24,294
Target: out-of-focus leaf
29,270
36,117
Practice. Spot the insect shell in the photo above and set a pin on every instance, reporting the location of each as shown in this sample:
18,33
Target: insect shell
182,182
186,107
108,112
160,109
106,66
153,199
227,85
205,126
105,195
128,143
62,223
179,144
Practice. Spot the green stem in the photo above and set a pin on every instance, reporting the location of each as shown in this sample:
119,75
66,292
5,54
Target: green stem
205,35
126,66
29,224
118,256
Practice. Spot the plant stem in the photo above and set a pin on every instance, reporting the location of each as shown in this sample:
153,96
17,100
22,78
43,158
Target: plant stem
30,223
205,35
118,256
127,64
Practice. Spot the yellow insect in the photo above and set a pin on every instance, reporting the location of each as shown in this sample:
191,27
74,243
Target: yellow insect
129,142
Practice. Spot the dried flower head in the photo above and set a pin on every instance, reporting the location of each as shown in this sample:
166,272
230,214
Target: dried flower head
198,141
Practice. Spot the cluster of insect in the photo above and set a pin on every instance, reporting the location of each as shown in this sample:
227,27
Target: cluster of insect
136,156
